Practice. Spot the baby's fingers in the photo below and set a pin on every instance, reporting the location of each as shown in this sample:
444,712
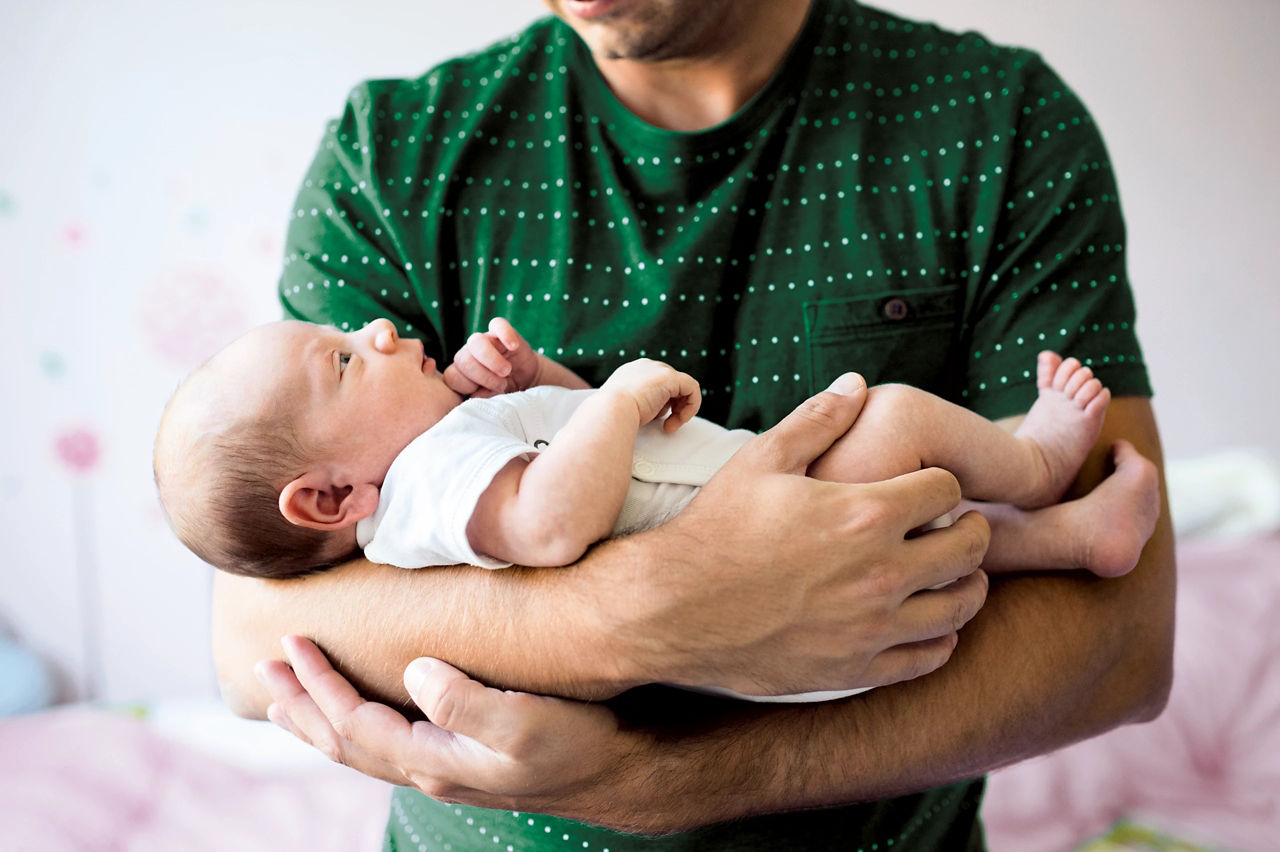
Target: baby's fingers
484,349
506,334
458,382
683,407
477,374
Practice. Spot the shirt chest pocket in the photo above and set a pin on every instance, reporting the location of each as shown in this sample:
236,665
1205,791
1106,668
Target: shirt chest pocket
904,336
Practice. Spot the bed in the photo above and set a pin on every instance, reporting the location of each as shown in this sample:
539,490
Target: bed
1206,774
176,776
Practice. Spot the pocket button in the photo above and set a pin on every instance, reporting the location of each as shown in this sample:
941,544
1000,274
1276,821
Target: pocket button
896,309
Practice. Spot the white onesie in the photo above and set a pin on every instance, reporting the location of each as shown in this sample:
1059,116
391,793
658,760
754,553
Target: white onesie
433,486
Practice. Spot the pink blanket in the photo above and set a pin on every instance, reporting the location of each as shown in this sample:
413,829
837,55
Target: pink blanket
1208,770
87,779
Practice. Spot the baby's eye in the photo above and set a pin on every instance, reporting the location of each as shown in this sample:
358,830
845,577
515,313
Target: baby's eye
344,358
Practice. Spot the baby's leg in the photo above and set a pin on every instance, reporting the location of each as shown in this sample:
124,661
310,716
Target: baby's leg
1103,531
902,429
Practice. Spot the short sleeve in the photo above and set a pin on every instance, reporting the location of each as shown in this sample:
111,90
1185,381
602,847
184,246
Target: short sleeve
346,260
1056,275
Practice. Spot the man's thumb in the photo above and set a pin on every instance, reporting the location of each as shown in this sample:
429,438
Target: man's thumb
812,428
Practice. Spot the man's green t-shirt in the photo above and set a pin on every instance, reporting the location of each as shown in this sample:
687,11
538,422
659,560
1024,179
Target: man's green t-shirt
916,205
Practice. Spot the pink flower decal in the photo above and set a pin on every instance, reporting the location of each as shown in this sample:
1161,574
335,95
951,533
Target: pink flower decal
78,449
74,234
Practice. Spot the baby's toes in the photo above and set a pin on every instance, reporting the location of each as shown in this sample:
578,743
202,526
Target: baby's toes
1099,403
1087,393
1065,371
1077,381
1047,364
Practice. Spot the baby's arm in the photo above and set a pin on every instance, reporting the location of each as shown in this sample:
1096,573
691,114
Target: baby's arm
548,511
500,361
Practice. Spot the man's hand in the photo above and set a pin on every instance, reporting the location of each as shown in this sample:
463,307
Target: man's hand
492,363
789,584
486,747
656,389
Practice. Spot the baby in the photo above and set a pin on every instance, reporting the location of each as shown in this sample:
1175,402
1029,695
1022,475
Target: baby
299,444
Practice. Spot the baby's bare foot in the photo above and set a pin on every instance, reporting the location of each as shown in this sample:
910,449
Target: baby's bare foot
1062,426
1118,516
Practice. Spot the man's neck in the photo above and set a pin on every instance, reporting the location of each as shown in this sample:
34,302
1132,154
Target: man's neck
700,91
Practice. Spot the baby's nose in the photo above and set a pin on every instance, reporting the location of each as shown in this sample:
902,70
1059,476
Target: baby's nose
384,335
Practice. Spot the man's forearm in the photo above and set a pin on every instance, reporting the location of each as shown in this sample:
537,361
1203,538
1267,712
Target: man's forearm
533,629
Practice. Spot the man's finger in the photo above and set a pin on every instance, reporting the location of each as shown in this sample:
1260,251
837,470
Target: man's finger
810,430
943,555
303,717
281,683
335,696
917,498
481,718
933,613
456,703
280,719
905,662
327,712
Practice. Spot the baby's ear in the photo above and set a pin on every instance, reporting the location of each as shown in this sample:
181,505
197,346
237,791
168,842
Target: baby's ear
314,501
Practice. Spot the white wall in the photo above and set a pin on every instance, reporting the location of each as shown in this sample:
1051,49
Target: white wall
149,152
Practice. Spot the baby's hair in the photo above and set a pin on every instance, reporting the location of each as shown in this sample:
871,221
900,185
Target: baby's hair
221,490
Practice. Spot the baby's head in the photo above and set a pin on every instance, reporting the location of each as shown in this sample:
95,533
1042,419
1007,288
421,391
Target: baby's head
269,453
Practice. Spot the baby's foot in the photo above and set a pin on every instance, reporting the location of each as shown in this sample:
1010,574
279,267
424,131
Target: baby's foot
1062,426
1117,517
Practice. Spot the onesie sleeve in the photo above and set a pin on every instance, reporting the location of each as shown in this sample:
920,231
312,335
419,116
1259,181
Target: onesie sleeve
432,488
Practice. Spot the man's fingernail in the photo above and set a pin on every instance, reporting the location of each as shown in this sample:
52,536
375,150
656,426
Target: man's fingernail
847,383
415,673
277,717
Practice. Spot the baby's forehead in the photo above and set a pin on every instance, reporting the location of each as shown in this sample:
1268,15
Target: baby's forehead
267,344
281,334
265,359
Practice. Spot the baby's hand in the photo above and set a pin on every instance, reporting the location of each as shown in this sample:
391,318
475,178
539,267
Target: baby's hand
656,388
493,363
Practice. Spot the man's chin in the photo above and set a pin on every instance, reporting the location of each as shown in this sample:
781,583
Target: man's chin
615,48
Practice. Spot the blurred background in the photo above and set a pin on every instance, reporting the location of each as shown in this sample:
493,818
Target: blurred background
149,155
